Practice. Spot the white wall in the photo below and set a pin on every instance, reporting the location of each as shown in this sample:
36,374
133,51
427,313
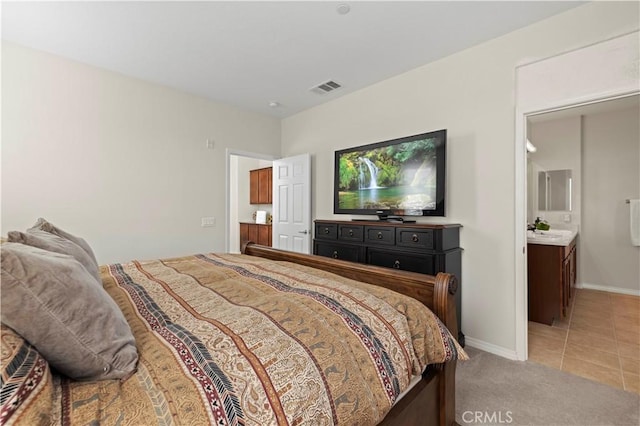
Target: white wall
559,144
116,160
611,174
471,94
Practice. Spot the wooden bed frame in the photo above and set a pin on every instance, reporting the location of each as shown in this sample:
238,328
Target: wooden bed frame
432,400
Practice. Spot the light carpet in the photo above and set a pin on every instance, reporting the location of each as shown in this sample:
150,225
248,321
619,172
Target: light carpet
497,391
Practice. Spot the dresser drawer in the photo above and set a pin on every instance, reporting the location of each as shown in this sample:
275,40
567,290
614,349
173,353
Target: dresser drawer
350,233
380,235
415,238
326,231
338,251
401,260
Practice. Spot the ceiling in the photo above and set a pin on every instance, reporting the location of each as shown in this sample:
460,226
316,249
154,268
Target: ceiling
253,54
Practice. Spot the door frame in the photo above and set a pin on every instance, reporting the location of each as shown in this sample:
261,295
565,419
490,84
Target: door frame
228,153
538,93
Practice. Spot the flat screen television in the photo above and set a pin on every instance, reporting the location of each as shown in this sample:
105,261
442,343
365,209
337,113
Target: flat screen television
393,178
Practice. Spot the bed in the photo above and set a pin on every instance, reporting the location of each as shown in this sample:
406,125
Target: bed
266,337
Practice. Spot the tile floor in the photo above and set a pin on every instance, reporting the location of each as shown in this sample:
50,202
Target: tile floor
599,339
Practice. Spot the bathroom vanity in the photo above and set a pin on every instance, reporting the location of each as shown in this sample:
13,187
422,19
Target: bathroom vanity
551,271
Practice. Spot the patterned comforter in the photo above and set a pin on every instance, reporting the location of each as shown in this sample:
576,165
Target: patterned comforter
238,340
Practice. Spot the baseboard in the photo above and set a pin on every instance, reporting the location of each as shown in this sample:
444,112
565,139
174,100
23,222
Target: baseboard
491,348
619,290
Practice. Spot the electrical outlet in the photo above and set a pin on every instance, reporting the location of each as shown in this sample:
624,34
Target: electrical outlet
208,221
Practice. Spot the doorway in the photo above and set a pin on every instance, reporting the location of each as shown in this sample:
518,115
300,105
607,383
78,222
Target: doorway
290,207
570,219
238,208
598,144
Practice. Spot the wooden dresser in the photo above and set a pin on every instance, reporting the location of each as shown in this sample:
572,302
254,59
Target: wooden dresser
423,248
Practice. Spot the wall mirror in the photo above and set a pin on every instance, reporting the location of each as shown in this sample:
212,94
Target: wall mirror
554,190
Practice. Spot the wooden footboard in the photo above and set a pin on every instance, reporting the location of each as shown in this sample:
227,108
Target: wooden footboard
432,401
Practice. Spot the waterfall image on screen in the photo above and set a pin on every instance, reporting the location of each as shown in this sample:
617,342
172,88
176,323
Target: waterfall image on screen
395,177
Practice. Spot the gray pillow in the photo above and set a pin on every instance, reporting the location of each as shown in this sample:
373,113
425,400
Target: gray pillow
76,326
51,242
44,225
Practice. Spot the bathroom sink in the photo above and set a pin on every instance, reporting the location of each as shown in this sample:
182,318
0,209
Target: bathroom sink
551,236
544,236
554,232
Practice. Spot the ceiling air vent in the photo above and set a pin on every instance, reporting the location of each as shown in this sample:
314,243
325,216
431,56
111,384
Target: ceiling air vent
326,87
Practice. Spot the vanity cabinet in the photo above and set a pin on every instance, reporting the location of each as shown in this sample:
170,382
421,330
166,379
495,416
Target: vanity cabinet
551,274
423,248
256,232
569,270
260,186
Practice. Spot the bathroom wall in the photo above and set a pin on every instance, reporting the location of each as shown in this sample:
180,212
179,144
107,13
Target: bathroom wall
611,174
558,142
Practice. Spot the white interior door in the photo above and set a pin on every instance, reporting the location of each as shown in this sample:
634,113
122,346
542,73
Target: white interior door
292,204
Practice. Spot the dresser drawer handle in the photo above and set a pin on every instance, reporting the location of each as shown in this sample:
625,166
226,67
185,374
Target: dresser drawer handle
351,232
396,264
379,235
415,238
326,230
335,254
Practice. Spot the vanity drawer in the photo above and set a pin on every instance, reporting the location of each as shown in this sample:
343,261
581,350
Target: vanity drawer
423,264
326,231
380,235
350,233
415,238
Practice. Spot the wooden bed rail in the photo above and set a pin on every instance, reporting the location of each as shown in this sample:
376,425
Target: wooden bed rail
437,293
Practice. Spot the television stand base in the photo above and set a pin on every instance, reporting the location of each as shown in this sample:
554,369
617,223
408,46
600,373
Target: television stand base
399,220
394,219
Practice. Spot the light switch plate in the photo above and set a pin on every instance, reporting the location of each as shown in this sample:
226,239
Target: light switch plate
208,221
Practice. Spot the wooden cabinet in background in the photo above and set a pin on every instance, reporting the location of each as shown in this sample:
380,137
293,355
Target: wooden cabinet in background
260,186
256,232
551,276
